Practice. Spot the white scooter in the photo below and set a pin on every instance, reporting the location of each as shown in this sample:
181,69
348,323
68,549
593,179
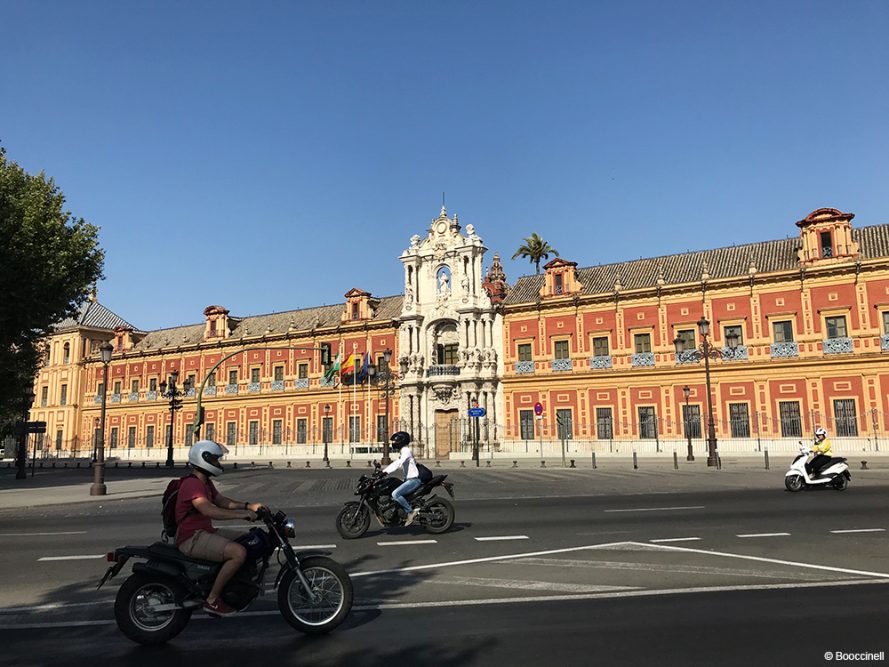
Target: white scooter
835,473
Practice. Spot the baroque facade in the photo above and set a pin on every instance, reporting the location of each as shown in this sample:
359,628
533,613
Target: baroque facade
593,346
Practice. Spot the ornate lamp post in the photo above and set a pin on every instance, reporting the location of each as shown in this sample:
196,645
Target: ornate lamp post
173,394
691,455
706,352
325,433
98,486
384,374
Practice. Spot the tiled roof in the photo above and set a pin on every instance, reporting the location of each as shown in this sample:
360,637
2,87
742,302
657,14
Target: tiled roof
734,261
94,315
275,323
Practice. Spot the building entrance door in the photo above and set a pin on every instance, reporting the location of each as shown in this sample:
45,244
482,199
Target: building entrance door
447,433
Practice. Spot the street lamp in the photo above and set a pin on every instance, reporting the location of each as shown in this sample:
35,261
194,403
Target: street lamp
706,352
22,444
173,394
98,486
384,374
691,455
325,432
95,438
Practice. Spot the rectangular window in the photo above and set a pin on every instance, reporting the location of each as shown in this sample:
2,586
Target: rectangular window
604,424
642,343
558,283
254,375
327,429
560,349
836,326
279,373
326,356
63,396
735,330
59,440
152,384
301,431
355,310
783,331
791,424
826,244
277,428
600,346
526,424
134,387
739,419
44,396
302,371
691,420
233,377
211,379
886,322
117,387
100,389
565,422
687,336
189,435
449,354
131,437
647,423
254,433
382,431
845,417
149,436
113,437
231,434
211,432
525,352
354,428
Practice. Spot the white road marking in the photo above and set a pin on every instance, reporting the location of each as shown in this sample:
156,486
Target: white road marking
658,509
771,560
860,530
314,546
675,539
405,542
53,605
69,532
501,537
517,584
762,535
45,558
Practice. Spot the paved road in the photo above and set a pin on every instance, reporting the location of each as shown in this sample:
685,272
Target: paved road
592,567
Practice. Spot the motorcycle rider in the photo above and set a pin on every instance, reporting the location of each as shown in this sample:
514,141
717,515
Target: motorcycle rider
405,460
197,503
821,449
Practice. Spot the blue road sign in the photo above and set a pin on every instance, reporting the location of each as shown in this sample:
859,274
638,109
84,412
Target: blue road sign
476,412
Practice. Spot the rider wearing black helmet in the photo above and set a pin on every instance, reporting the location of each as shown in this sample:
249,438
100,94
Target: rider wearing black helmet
405,460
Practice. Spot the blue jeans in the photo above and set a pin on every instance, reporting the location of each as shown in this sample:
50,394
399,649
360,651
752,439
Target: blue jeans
398,495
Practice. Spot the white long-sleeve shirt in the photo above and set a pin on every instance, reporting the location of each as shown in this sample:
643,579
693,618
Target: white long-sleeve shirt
406,461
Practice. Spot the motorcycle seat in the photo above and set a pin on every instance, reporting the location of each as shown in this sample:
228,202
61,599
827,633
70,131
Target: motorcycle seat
171,552
425,488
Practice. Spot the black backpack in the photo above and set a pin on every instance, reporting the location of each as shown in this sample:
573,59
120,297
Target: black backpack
168,512
424,473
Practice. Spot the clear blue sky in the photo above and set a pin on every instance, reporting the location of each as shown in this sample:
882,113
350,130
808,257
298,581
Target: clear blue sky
239,153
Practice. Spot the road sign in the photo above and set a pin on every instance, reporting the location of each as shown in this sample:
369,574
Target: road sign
538,408
476,412
36,427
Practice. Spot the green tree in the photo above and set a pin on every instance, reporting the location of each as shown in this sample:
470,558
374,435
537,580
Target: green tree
535,248
48,262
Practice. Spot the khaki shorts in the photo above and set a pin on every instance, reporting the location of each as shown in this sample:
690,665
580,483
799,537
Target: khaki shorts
209,546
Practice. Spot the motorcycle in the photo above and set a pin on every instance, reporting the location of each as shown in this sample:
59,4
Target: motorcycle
834,473
156,602
435,514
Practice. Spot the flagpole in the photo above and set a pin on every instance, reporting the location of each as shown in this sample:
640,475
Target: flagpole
354,393
367,408
340,399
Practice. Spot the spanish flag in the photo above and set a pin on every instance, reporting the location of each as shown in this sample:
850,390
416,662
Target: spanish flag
349,364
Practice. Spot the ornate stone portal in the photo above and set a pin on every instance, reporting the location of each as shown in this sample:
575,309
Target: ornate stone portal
449,332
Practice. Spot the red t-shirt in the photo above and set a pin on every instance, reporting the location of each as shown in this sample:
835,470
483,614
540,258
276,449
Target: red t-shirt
188,519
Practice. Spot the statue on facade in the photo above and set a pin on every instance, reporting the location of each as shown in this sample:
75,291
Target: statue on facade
444,288
409,294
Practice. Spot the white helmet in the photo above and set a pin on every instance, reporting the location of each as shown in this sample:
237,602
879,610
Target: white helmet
820,432
205,454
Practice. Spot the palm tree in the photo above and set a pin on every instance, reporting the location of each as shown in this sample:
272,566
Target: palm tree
535,248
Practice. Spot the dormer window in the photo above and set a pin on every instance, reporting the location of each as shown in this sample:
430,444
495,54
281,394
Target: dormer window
826,244
355,310
558,284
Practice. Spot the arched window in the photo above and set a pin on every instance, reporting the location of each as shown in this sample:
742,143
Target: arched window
66,355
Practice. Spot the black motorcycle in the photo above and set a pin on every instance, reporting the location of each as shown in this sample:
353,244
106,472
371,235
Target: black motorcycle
156,602
435,514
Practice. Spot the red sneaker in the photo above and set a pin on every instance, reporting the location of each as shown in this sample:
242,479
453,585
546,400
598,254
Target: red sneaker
219,608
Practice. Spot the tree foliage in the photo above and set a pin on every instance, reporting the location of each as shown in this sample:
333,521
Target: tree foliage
48,262
535,249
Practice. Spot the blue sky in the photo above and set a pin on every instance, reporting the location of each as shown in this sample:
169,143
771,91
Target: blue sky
270,156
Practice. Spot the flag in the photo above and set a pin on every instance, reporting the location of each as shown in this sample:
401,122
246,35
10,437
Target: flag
349,366
334,367
362,373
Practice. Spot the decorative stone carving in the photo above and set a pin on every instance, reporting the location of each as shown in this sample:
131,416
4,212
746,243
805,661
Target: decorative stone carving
444,392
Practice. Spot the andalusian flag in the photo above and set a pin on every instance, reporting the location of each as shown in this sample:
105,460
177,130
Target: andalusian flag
334,367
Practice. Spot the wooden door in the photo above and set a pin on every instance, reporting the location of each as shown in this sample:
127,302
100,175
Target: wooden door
447,433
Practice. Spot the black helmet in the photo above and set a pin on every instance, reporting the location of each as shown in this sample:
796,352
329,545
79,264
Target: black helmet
401,438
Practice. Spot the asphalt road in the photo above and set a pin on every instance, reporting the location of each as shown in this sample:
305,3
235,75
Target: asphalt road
550,568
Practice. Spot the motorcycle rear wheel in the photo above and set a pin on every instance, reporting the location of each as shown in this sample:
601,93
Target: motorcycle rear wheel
331,584
438,515
353,520
840,482
793,483
135,617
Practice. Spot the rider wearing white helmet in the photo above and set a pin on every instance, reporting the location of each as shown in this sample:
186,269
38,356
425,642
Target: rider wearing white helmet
197,502
821,448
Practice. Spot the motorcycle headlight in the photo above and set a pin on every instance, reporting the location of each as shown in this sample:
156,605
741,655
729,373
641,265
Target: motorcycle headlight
290,528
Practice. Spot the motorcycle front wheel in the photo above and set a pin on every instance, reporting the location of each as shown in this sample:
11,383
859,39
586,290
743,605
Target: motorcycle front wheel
135,609
353,520
437,515
329,603
794,482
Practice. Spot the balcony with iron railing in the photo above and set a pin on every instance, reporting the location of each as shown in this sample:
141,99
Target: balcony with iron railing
277,385
442,369
840,345
561,365
601,361
524,367
302,383
884,342
643,359
784,350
